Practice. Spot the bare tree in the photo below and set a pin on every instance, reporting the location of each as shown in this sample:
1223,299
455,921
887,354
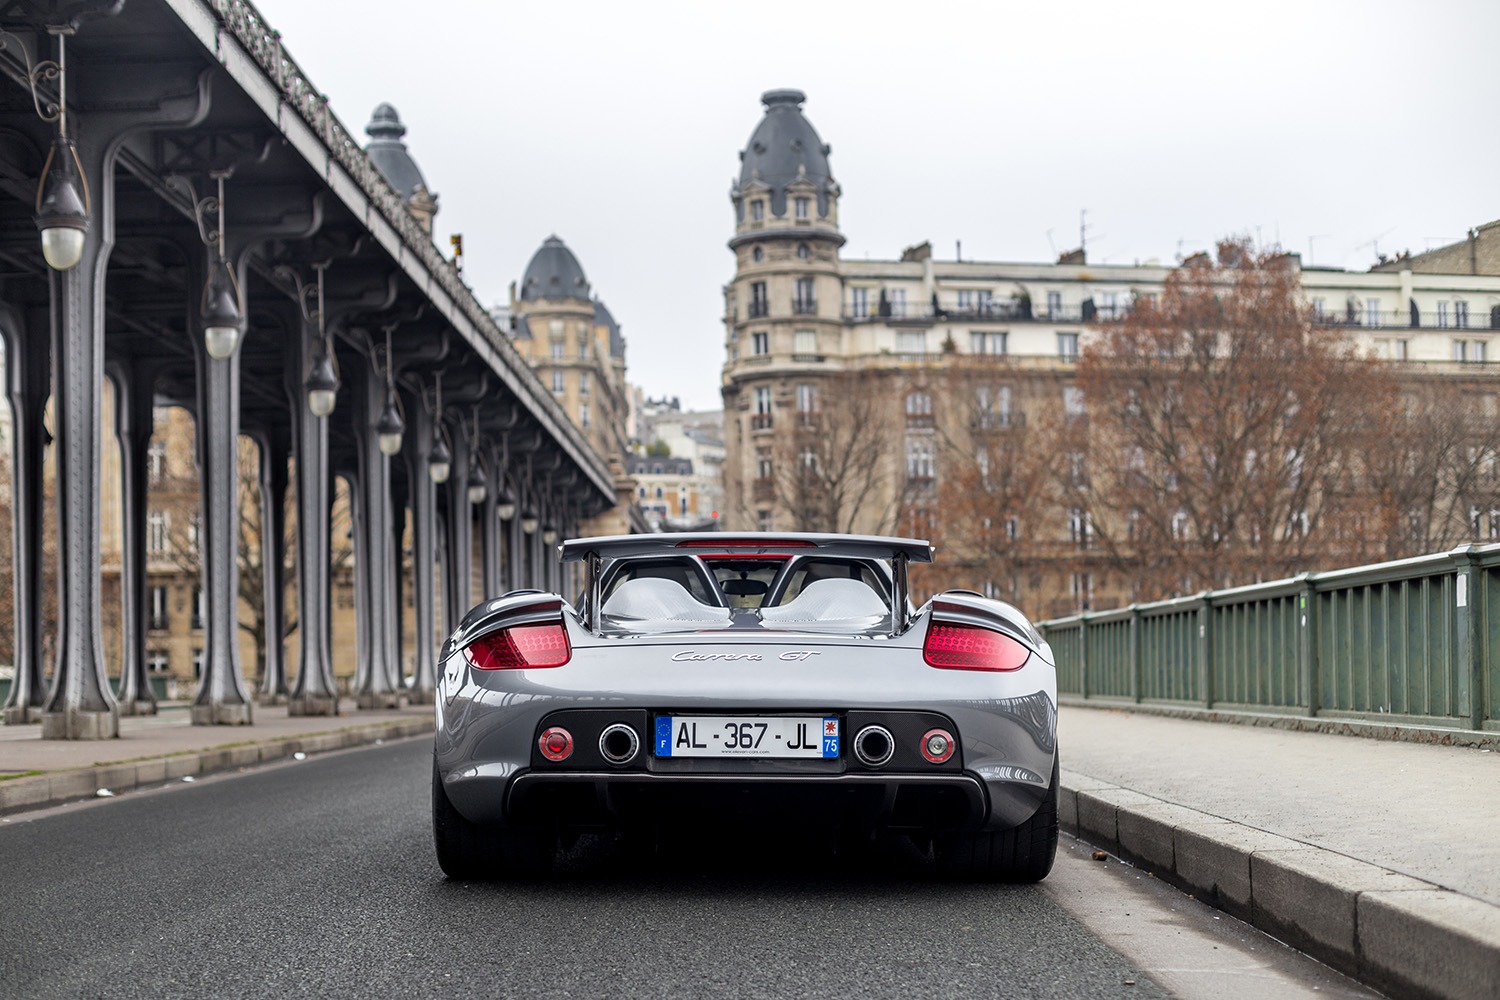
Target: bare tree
1224,432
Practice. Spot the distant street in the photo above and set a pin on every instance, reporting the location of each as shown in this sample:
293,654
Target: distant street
318,879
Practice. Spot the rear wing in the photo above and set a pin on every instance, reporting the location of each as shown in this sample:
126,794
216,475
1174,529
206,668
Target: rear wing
749,542
900,551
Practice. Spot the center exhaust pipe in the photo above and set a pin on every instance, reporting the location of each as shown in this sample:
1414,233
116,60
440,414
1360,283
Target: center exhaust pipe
619,744
873,746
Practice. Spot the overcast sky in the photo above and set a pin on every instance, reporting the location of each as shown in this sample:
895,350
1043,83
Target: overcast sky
1331,127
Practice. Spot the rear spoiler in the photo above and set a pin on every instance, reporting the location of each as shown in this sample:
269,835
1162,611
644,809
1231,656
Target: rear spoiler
756,542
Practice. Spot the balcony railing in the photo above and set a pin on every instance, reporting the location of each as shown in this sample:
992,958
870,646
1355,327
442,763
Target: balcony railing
804,307
998,312
760,422
1407,319
760,310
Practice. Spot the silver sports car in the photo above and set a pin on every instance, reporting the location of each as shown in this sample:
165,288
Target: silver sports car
702,679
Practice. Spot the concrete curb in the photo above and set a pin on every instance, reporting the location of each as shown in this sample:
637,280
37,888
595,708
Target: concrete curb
55,788
1393,932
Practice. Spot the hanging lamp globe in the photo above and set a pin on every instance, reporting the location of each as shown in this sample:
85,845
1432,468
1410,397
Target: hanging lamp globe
222,321
390,428
322,385
62,213
440,460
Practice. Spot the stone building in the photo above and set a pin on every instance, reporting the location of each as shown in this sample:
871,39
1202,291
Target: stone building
837,381
576,348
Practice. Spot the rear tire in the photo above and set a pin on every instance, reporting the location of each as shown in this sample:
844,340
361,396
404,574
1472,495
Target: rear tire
1021,854
469,851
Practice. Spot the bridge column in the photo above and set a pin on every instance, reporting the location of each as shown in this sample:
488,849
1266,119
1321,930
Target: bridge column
489,524
374,564
418,449
273,484
459,590
398,584
134,384
314,692
28,384
223,699
80,704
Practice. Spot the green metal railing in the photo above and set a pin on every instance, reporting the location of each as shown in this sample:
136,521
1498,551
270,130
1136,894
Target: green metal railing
1415,641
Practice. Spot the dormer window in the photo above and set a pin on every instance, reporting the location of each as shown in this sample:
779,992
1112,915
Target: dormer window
757,211
757,255
802,206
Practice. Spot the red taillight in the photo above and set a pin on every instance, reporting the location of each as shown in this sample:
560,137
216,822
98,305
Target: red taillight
555,743
520,648
969,647
937,745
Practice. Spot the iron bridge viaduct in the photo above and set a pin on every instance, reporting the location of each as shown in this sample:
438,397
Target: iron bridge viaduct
183,215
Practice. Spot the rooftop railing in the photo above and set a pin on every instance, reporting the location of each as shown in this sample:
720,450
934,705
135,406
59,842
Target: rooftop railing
1400,642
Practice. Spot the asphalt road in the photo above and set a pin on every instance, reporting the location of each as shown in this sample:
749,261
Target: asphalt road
318,879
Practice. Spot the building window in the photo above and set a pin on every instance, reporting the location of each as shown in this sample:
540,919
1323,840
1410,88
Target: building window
643,492
896,298
1461,314
682,503
1109,305
859,302
803,302
1442,315
1054,305
918,404
1067,346
1372,312
763,463
660,493
583,383
557,350
559,383
919,463
1083,590
757,211
807,398
1472,351
583,414
911,341
805,343
801,206
197,619
803,252
1073,405
198,664
762,399
1398,350
195,524
758,301
555,328
157,608
156,661
757,255
763,520
989,342
157,526
156,461
760,342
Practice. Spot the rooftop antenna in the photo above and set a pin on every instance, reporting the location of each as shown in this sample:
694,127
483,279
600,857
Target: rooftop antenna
1051,243
1374,244
958,250
1311,240
1083,230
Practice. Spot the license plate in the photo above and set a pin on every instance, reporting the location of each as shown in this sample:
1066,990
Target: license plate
746,736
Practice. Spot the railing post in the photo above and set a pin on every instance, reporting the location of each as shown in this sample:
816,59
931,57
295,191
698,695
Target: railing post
1307,645
1083,655
1135,653
1468,682
1205,649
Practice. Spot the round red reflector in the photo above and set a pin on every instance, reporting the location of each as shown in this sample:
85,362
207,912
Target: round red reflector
938,745
556,743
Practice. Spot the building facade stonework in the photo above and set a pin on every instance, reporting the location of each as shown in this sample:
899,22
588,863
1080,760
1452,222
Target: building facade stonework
849,385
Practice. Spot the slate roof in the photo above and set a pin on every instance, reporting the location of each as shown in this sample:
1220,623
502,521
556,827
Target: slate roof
785,148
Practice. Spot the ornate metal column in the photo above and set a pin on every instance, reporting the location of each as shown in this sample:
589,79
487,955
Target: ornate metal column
398,584
423,556
273,484
458,593
28,384
374,565
489,525
314,692
133,425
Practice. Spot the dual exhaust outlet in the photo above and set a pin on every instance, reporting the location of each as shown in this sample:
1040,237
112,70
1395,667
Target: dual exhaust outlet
874,746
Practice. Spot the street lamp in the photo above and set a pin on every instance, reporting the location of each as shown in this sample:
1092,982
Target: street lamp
322,383
62,193
505,505
219,305
478,487
549,535
390,428
529,522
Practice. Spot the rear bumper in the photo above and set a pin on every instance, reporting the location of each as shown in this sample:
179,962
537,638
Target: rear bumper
619,800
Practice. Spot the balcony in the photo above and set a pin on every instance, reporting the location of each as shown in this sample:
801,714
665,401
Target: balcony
760,422
1407,319
804,307
759,310
158,623
995,312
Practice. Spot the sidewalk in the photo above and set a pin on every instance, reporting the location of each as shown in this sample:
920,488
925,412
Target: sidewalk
166,747
1380,858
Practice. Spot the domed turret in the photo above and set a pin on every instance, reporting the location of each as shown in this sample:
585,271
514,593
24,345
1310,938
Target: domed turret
785,154
554,273
390,156
602,317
